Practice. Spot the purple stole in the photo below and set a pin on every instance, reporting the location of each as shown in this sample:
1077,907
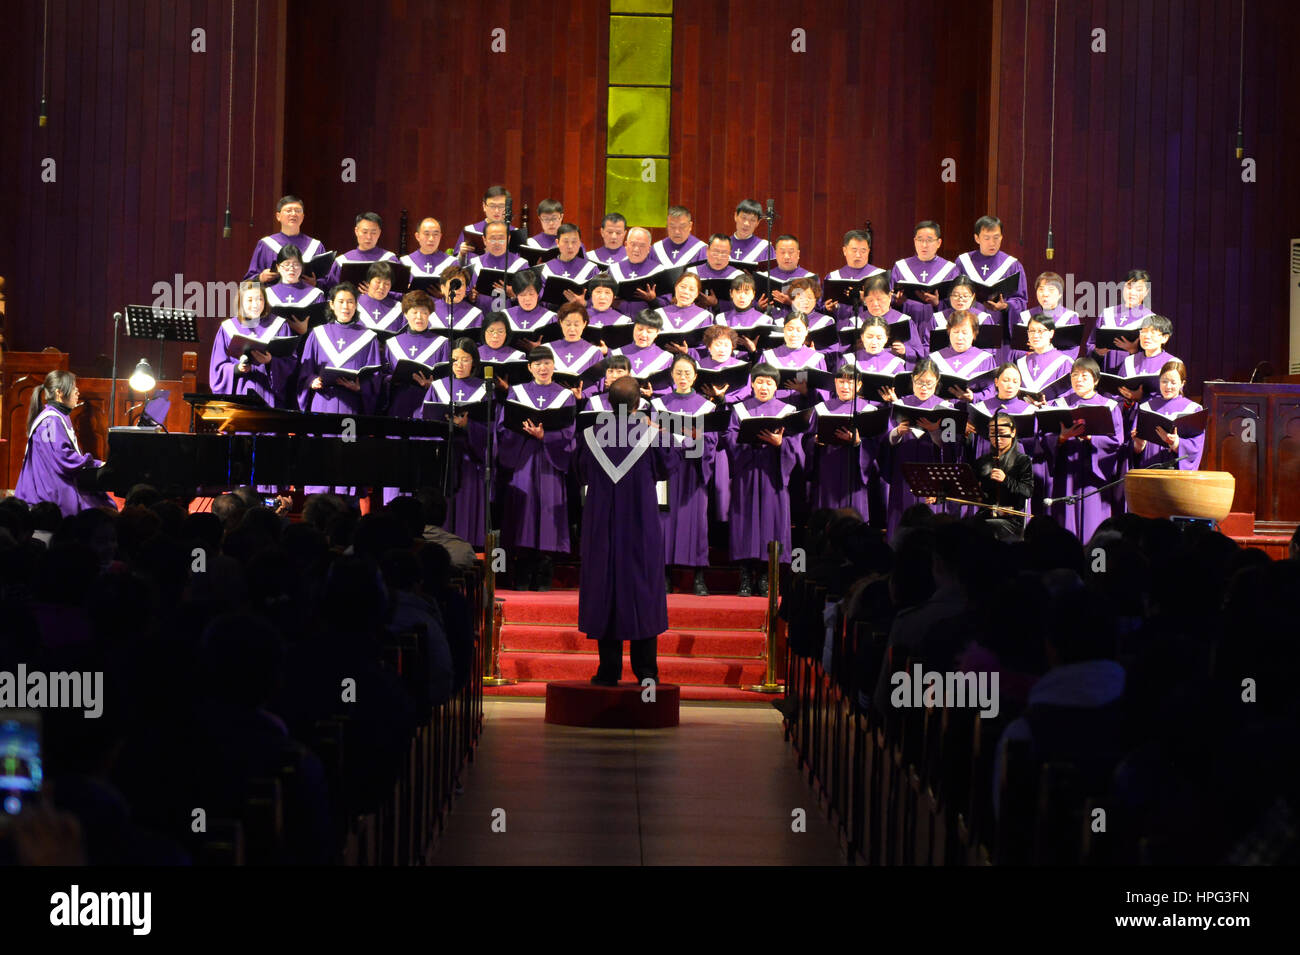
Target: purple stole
427,265
607,257
1037,371
575,270
917,272
463,316
300,294
671,254
382,316
269,246
751,251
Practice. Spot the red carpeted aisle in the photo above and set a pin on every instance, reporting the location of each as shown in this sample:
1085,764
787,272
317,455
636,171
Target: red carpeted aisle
714,646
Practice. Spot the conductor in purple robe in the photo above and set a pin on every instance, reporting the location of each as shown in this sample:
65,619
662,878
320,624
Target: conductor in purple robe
620,587
53,459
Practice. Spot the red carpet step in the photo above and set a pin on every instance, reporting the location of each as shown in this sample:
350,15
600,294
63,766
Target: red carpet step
714,647
579,703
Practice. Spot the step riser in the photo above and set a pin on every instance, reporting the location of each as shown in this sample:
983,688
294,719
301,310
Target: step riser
548,667
517,638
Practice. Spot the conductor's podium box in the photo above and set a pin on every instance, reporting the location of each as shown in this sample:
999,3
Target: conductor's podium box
626,706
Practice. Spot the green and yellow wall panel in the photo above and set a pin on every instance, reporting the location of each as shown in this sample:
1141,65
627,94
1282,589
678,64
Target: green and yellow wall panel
639,110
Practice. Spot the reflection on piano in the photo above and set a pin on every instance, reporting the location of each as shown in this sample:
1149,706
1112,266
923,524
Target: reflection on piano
240,441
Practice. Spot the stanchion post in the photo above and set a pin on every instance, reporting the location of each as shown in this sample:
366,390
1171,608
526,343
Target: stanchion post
493,612
769,684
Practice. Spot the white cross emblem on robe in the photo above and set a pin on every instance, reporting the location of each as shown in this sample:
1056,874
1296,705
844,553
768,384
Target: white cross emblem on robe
985,269
414,348
925,274
568,359
460,394
289,297
637,363
377,313
341,342
541,401
566,273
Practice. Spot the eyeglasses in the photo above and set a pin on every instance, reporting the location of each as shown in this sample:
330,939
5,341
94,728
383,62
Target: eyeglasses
923,240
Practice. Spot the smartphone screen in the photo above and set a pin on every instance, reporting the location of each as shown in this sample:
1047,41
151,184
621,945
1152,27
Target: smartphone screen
20,761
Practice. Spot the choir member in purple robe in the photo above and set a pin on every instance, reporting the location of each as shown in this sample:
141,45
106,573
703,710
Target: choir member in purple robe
1044,371
796,355
428,260
466,509
679,247
620,596
613,230
716,267
54,460
296,298
804,295
454,310
1081,462
922,442
719,344
876,298
839,474
857,266
498,257
368,228
535,513
637,264
683,315
601,313
925,321
1153,334
342,342
871,356
376,307
962,358
255,372
927,267
416,342
1006,398
528,317
760,479
550,213
289,215
616,367
574,355
772,281
648,359
570,264
746,247
1171,403
690,468
1049,288
987,263
494,210
1127,315
750,324
496,330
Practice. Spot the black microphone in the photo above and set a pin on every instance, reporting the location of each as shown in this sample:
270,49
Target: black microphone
771,209
117,316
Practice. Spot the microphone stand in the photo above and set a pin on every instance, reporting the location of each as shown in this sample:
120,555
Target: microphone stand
771,257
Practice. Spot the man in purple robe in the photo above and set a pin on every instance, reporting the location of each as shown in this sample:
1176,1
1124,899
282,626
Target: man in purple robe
716,267
289,214
746,247
368,228
428,260
679,247
613,230
620,586
987,264
771,283
927,267
494,210
1082,462
53,459
857,252
638,265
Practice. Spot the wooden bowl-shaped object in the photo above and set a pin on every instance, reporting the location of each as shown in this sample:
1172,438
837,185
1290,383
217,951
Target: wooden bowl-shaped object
1203,494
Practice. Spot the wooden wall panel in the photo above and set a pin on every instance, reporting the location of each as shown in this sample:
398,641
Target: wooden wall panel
1145,170
138,133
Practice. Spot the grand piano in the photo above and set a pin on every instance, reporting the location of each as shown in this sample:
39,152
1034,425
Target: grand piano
238,441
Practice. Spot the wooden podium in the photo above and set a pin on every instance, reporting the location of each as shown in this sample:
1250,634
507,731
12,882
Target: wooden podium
1164,493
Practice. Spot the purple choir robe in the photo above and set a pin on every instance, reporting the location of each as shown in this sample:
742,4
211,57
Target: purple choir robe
473,229
690,469
925,320
382,315
913,270
708,272
839,474
987,269
1061,317
269,246
535,511
784,357
297,293
466,509
403,398
750,251
916,445
1155,454
1037,372
1119,316
573,358
508,263
625,270
529,322
841,351
721,462
881,363
843,311
575,270
692,318
1077,465
356,255
751,323
971,362
760,483
267,381
603,258
51,463
779,278
621,593
672,254
464,316
647,362
427,265
339,345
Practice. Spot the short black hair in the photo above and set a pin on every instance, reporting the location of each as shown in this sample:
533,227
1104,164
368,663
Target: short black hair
374,217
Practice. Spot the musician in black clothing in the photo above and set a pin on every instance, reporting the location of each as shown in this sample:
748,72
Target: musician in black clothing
1006,476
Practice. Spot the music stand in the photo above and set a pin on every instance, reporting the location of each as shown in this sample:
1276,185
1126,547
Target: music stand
943,481
151,321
